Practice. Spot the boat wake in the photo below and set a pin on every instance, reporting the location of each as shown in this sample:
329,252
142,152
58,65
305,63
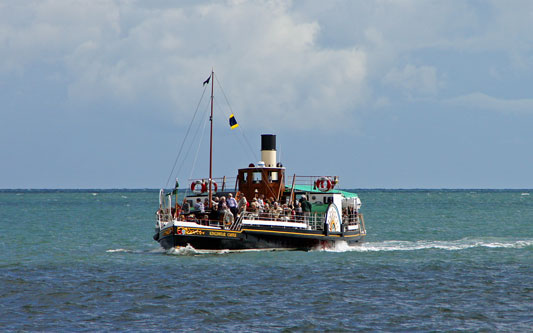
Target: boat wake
387,246
191,251
454,245
158,250
120,250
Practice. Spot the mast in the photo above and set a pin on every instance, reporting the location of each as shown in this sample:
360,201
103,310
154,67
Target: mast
211,145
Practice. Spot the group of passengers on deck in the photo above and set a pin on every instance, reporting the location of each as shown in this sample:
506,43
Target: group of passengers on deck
227,209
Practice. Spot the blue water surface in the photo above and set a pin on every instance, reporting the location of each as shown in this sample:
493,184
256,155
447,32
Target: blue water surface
433,260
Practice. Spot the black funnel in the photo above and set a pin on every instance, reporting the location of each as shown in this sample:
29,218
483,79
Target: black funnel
268,142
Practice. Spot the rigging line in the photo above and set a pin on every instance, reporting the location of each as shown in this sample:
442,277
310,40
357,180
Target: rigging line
249,146
242,140
223,93
196,155
193,140
185,138
254,153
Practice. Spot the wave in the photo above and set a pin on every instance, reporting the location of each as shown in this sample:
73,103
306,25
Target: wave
119,250
191,251
454,245
157,250
390,245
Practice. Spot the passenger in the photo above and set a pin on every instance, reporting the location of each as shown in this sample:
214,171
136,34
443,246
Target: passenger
276,211
220,202
186,207
254,206
232,204
177,211
261,201
228,217
306,208
221,207
243,203
286,210
293,215
266,210
205,219
298,211
199,206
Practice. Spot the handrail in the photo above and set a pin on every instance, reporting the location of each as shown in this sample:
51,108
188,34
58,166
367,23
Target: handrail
315,221
237,224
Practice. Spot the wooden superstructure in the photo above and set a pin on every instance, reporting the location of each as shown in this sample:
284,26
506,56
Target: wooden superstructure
267,177
262,180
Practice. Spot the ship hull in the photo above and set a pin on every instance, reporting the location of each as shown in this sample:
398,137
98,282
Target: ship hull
253,238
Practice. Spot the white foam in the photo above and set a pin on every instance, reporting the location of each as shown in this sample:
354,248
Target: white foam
119,250
454,245
156,250
191,251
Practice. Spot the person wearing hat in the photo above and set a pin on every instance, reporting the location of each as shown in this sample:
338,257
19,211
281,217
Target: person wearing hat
254,206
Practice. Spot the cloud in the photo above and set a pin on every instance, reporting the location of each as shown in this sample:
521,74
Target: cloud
485,102
281,63
412,80
124,54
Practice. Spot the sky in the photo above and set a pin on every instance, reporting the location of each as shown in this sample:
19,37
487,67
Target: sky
383,94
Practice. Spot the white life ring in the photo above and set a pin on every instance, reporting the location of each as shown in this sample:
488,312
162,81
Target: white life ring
324,184
198,187
161,197
213,185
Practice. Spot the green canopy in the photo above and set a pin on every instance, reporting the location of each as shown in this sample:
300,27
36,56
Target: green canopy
310,189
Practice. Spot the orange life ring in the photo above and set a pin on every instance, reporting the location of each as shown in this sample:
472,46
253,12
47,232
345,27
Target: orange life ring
323,184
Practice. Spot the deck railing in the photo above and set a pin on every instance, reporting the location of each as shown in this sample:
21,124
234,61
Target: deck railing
313,221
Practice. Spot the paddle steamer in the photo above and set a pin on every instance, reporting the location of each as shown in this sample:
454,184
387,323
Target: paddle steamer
270,214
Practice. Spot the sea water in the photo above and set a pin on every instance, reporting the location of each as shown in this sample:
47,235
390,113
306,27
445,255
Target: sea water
433,260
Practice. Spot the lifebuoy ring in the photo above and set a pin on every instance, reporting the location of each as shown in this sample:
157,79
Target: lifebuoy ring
161,197
214,185
324,184
198,187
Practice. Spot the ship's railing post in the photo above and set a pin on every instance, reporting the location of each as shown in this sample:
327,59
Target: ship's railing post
362,228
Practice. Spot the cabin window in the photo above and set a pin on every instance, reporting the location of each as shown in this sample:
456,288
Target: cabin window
273,176
328,200
245,177
257,177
